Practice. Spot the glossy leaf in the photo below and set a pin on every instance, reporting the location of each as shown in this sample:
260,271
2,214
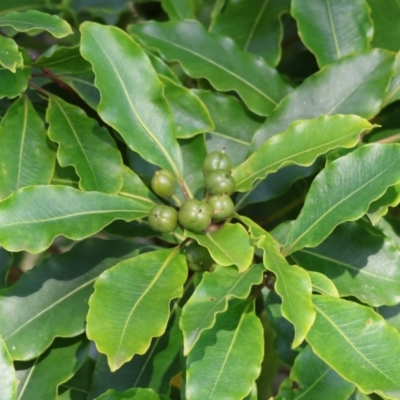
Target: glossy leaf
211,297
41,377
333,29
7,373
133,104
25,157
179,9
190,114
85,145
256,29
10,57
367,266
323,285
162,68
205,55
293,285
42,299
308,139
363,176
34,22
229,245
310,377
353,85
59,210
386,28
234,124
380,207
131,300
154,370
236,338
350,329
393,90
135,394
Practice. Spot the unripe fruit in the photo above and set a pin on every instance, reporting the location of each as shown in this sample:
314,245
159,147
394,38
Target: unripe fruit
163,218
220,182
195,215
217,161
222,206
198,258
163,183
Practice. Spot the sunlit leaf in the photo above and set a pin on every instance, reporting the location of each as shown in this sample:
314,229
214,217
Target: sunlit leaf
10,57
7,374
134,394
322,284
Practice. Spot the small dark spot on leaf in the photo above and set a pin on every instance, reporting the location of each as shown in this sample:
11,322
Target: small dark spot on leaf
212,298
295,385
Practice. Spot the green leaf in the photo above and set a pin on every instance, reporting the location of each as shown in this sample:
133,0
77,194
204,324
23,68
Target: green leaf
20,5
42,299
60,210
154,370
322,284
310,377
393,90
333,29
190,114
308,138
179,9
13,84
386,28
136,394
10,57
65,176
353,85
25,157
293,285
131,300
133,104
391,315
6,260
365,267
86,146
380,207
363,176
344,327
256,29
229,245
162,68
34,22
40,378
234,124
235,340
211,297
7,373
206,55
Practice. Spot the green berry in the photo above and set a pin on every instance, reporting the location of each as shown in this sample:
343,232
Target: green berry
222,206
198,258
217,161
195,215
163,218
220,182
163,183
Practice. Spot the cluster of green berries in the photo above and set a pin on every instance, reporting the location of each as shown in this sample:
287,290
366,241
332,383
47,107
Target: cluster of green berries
195,215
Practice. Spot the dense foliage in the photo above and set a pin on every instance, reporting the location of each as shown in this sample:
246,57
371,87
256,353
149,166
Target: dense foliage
198,199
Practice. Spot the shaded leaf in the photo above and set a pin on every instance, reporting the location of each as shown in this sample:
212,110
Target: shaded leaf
136,394
234,124
393,90
322,284
85,145
162,68
380,207
205,55
34,22
310,376
391,315
308,139
256,29
211,297
60,210
42,299
25,157
385,21
133,104
350,329
10,57
131,300
353,85
235,339
179,9
333,29
65,176
363,176
20,5
7,374
293,285
229,245
6,260
40,378
366,267
190,114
